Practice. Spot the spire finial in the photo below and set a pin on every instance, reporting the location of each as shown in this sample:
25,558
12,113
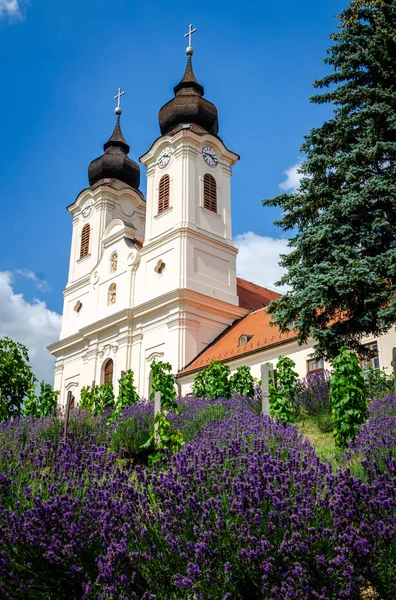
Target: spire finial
118,109
190,49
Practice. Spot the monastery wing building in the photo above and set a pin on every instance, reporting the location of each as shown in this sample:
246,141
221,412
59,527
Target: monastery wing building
155,278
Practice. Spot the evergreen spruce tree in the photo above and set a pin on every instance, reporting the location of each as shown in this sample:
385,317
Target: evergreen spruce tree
342,266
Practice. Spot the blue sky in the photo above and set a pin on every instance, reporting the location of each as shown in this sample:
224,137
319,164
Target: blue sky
62,63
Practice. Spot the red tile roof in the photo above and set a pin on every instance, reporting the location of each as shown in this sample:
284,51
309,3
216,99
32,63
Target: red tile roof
253,296
256,326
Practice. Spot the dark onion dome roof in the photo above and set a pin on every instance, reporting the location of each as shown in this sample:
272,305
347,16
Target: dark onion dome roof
114,163
188,106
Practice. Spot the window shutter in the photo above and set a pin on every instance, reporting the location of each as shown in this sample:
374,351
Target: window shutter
84,249
163,193
210,193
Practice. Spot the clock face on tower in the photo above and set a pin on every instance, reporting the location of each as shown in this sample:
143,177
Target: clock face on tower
164,157
86,209
209,156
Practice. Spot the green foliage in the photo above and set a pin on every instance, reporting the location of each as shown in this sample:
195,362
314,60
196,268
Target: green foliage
97,398
213,381
130,435
283,390
15,377
341,268
378,383
165,438
348,396
42,405
127,394
242,382
164,382
199,387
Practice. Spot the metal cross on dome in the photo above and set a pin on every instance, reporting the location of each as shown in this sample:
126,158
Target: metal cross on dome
189,34
118,97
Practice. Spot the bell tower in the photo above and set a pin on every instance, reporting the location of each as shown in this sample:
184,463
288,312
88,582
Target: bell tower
188,254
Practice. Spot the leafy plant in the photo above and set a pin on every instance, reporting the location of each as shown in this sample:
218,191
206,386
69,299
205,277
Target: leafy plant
165,438
283,391
42,405
97,398
15,377
242,382
199,387
127,394
213,381
348,395
378,382
164,382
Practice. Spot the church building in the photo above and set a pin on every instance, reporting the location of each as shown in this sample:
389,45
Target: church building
155,277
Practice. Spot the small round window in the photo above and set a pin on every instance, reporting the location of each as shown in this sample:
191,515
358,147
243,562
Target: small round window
243,340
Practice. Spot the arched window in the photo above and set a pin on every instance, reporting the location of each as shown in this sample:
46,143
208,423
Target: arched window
163,193
108,371
210,192
84,248
112,298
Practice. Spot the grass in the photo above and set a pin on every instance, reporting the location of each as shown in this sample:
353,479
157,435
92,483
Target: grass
323,442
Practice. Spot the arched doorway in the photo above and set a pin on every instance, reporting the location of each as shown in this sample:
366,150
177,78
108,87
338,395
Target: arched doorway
108,371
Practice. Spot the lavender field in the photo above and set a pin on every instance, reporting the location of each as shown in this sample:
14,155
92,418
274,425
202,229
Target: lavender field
246,509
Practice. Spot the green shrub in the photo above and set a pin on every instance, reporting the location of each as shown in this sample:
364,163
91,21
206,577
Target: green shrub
127,394
97,398
213,381
42,405
348,395
283,391
164,382
242,382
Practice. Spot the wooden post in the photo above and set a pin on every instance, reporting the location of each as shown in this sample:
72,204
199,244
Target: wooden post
157,409
67,413
394,366
265,374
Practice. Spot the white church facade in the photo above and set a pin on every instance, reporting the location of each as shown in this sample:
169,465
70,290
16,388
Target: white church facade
155,278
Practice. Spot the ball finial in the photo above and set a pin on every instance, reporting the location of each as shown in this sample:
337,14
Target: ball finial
189,50
118,111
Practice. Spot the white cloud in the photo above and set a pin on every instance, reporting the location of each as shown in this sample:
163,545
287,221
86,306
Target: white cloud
40,284
258,259
32,324
10,8
292,181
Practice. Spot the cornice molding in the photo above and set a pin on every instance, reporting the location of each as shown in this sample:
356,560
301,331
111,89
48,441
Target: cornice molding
186,231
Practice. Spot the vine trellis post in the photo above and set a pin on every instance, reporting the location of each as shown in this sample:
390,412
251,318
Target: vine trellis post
157,410
267,371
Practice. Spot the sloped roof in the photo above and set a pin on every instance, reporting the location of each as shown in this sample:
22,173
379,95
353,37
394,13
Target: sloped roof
256,326
253,296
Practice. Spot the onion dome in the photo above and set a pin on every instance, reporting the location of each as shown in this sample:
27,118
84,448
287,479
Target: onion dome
188,105
115,162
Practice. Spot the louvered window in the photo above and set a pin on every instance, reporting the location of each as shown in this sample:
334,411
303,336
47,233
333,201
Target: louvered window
163,193
84,248
108,372
210,193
